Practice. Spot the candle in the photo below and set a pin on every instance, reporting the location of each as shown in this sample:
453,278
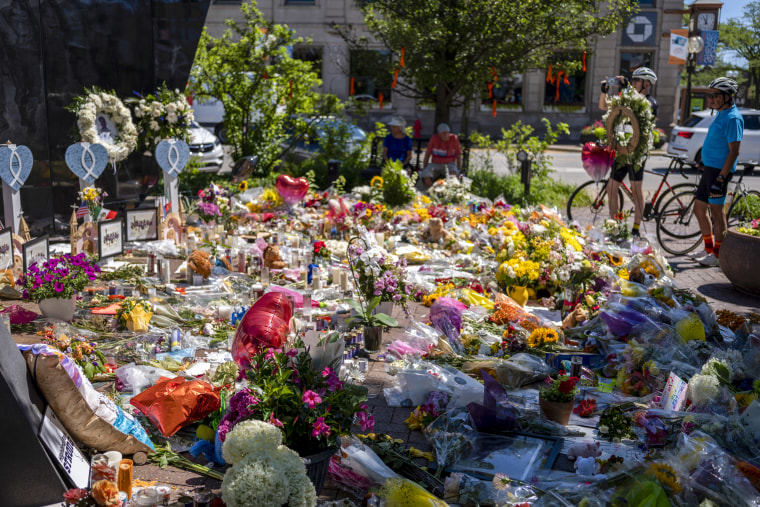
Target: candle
380,237
336,275
124,476
225,312
343,281
316,281
146,497
391,243
265,275
307,304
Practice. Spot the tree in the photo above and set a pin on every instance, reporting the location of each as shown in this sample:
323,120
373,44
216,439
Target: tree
452,47
743,36
266,93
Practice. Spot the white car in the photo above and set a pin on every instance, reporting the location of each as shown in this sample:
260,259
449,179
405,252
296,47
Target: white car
687,139
205,146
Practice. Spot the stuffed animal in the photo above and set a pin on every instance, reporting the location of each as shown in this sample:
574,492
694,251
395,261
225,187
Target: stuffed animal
574,318
198,262
272,258
584,450
435,232
585,466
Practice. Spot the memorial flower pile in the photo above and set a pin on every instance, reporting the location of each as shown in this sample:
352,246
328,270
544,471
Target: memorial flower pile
379,273
616,228
92,197
161,114
59,277
213,205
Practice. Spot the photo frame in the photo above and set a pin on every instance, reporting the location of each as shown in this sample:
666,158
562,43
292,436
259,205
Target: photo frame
110,238
36,250
142,224
7,257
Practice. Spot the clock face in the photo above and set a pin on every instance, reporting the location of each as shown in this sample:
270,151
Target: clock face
706,21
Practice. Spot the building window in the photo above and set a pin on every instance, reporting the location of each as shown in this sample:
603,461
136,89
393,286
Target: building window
300,2
565,89
370,76
632,61
311,54
646,3
505,93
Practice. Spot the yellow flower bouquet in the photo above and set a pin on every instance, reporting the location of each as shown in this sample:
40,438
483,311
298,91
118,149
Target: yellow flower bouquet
517,271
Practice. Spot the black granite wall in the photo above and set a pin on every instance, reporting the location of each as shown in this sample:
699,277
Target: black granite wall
50,50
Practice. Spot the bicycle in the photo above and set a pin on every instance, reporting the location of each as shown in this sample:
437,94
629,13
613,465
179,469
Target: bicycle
678,230
651,208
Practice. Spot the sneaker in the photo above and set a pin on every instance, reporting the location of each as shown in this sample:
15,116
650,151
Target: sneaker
636,233
709,260
695,256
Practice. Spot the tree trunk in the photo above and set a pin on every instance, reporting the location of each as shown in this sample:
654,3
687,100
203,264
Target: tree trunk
442,105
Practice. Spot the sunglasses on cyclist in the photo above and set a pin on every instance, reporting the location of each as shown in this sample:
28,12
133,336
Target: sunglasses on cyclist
636,80
713,95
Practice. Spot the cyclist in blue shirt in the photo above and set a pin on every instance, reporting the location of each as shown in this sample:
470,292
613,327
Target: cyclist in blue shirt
397,145
719,153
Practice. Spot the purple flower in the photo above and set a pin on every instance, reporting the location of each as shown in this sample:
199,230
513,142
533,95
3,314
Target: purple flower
320,428
366,421
58,286
311,398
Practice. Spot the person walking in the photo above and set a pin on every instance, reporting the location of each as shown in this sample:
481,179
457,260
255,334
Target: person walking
719,153
642,81
397,145
446,153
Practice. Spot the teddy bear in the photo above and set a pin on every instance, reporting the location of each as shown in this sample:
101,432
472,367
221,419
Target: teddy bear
584,450
585,466
435,232
198,262
574,318
272,258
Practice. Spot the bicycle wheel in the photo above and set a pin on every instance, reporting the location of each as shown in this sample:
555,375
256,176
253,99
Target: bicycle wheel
745,208
670,192
677,228
589,201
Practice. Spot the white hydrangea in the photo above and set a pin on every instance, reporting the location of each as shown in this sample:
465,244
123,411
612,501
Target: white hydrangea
250,437
703,389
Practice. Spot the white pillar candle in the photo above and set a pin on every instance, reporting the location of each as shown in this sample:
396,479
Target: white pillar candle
343,281
336,275
380,237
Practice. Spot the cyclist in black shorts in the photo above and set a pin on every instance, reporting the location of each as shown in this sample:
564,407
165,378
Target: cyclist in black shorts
642,81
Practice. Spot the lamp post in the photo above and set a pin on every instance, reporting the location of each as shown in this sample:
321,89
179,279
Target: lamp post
694,46
703,15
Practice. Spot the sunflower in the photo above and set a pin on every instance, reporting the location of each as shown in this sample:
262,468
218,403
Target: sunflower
615,260
541,336
243,186
376,182
667,477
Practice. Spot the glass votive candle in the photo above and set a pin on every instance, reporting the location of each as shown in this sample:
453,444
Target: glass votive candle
146,497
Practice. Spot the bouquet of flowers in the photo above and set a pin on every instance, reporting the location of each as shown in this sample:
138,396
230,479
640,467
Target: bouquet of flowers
517,271
379,274
450,191
92,197
102,493
60,277
81,350
616,228
366,213
320,250
313,408
134,314
213,204
562,389
161,114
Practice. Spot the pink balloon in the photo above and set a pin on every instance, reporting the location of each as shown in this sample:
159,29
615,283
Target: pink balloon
597,159
292,190
265,325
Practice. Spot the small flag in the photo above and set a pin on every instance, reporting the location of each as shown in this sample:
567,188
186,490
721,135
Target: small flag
167,207
106,214
83,211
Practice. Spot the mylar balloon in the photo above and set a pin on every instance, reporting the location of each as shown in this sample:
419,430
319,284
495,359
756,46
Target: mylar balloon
265,325
597,159
292,190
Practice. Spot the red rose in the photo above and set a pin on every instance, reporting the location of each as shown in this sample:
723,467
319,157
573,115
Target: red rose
567,386
318,245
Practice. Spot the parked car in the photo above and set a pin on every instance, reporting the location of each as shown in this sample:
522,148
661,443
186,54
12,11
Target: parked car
205,146
306,148
687,139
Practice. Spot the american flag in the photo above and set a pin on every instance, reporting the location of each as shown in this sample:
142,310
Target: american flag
82,211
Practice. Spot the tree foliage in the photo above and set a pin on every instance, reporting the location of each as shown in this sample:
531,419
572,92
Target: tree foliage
266,93
743,36
452,47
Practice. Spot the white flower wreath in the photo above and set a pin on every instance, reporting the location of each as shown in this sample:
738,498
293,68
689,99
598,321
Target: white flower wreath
100,107
642,110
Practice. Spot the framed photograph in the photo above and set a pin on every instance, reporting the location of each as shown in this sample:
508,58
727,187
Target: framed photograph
6,249
142,224
36,250
110,238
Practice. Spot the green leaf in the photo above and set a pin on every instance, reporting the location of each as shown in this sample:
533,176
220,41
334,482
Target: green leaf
373,304
355,306
386,320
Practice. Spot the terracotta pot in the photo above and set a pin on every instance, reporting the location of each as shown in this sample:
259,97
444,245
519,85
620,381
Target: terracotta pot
556,411
519,293
739,256
58,308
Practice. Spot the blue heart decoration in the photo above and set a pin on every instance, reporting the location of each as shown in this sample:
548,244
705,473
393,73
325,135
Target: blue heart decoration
172,156
87,160
15,164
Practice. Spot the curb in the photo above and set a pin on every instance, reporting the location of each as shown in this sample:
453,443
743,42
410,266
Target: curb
577,148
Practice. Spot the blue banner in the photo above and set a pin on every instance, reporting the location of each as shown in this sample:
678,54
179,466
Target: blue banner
709,53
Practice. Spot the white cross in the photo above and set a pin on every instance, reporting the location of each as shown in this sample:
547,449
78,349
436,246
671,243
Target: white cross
16,175
88,169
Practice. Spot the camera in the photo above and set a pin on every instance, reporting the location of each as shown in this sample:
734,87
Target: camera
613,85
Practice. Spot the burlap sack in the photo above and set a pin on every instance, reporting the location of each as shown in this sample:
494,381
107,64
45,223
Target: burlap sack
76,414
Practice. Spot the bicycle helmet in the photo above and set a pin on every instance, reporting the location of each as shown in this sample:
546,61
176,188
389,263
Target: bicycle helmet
645,73
725,84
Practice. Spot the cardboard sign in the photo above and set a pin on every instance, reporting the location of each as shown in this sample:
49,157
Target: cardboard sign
142,224
36,250
679,51
674,393
110,238
57,440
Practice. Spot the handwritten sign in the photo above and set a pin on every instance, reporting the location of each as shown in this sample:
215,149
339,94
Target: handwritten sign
54,436
110,238
36,250
142,224
674,394
6,249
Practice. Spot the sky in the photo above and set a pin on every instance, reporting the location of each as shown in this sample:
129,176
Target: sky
733,9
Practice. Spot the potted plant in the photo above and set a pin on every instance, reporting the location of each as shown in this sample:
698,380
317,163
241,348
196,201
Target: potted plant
556,397
372,323
55,284
312,408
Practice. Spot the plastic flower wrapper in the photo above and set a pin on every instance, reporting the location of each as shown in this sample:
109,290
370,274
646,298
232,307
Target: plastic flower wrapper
452,436
400,492
359,458
496,413
717,478
521,369
447,318
464,489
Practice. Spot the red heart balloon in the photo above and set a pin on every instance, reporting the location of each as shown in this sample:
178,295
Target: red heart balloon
597,159
292,190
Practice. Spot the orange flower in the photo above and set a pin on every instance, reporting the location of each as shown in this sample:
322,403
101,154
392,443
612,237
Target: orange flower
105,493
